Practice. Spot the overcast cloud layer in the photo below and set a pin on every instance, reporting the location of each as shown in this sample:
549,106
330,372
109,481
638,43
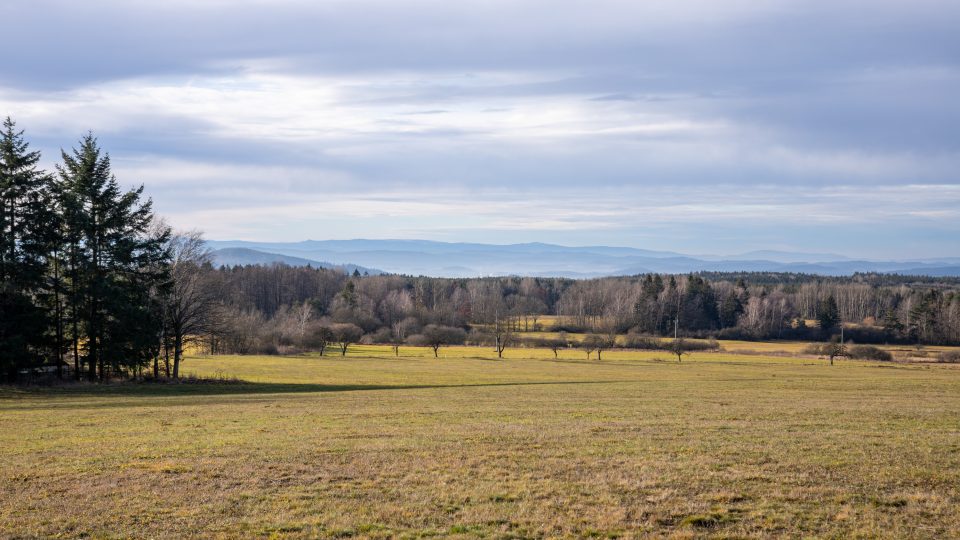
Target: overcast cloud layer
696,126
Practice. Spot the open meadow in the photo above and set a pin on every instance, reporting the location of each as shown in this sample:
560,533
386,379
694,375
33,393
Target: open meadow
723,444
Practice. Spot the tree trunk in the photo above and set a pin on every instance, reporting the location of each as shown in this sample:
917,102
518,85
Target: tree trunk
166,356
58,314
76,351
177,353
92,358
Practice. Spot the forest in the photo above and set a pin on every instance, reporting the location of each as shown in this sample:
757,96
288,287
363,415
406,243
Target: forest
278,308
95,285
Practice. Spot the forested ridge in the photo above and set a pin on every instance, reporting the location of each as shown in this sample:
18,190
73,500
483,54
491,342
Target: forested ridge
272,306
94,285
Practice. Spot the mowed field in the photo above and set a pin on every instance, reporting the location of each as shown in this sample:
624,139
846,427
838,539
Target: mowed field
722,445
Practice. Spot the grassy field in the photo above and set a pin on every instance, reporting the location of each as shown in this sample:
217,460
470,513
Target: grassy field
722,445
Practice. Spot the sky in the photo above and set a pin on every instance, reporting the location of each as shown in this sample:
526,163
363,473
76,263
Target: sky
686,125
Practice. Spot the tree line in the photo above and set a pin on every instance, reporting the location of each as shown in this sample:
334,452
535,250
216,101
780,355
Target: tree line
280,308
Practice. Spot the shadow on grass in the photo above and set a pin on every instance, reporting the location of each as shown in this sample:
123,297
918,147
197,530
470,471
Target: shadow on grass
60,396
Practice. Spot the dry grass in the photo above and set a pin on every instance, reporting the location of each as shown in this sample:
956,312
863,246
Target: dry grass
722,445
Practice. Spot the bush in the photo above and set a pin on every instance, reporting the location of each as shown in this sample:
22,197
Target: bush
869,352
268,349
867,334
381,336
633,341
949,357
736,333
570,328
709,345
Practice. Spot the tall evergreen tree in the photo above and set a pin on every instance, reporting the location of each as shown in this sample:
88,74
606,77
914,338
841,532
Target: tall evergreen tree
699,305
113,262
23,243
730,310
828,313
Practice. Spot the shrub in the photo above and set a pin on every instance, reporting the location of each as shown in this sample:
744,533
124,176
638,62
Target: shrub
867,334
570,328
736,333
949,357
869,352
381,336
709,345
633,341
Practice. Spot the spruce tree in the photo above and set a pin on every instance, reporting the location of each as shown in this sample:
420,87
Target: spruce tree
828,313
23,245
114,263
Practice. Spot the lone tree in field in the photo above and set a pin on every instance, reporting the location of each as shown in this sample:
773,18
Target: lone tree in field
557,343
345,334
587,345
320,338
502,336
834,348
436,336
678,347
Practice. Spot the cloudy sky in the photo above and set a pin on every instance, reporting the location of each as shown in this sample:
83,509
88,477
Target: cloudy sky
696,126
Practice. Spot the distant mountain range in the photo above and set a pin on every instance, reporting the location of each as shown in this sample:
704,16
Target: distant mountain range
442,259
247,256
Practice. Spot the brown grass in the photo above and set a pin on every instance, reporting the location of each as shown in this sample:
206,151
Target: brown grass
466,446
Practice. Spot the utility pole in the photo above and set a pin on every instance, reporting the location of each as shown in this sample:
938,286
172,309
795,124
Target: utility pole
842,352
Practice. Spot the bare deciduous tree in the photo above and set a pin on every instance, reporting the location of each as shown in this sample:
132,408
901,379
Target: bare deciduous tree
678,347
436,336
345,334
191,304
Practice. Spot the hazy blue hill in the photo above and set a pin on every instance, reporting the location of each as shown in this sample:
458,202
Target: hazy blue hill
424,257
247,256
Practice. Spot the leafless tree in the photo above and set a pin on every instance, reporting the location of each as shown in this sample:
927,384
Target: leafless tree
318,337
345,334
436,336
679,348
303,314
502,336
597,342
191,305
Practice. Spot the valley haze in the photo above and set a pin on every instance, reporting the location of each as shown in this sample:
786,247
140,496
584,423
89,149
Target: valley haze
446,259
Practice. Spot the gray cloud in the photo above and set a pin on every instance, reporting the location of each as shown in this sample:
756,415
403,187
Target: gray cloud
249,105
